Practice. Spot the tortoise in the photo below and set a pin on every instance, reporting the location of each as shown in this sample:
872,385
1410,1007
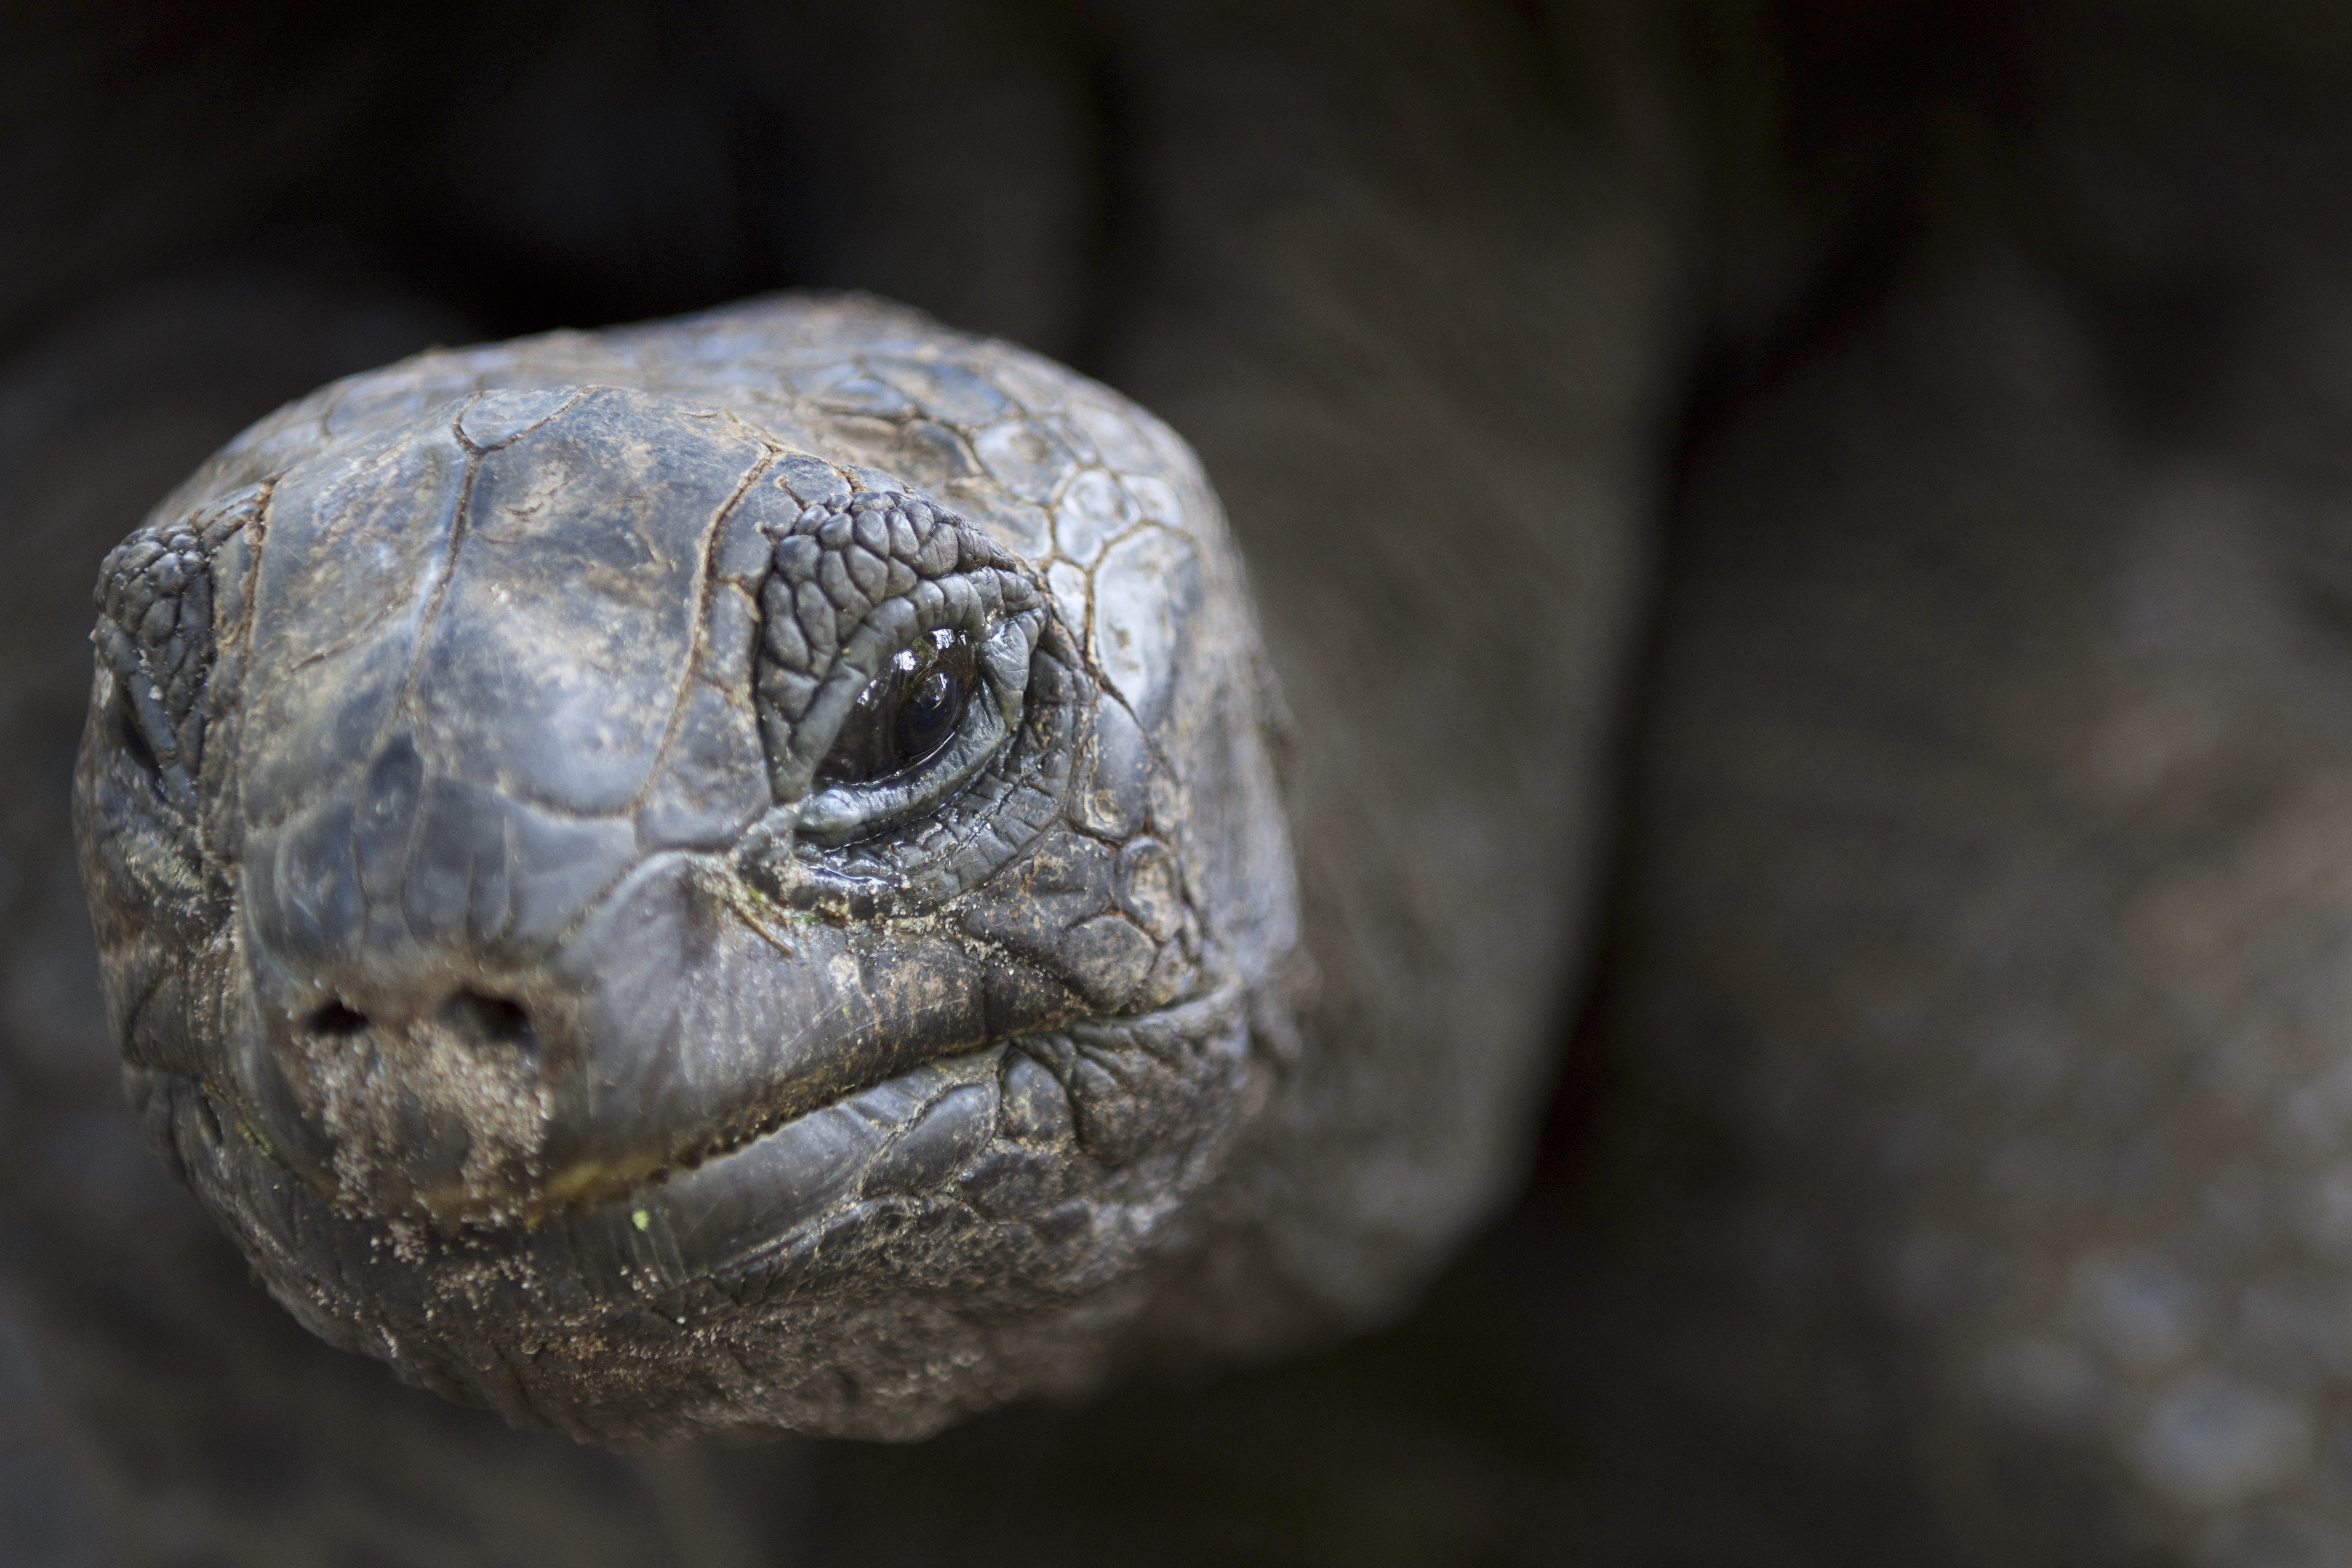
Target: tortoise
1905,490
1438,858
710,878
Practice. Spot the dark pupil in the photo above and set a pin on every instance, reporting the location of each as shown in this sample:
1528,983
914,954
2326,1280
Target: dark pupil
905,715
927,715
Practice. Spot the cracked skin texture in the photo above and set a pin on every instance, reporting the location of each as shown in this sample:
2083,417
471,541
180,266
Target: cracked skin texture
494,956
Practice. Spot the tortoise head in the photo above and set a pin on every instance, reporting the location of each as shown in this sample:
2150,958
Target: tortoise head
580,883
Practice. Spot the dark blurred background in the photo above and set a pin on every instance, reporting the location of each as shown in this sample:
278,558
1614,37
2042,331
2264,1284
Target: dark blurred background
205,210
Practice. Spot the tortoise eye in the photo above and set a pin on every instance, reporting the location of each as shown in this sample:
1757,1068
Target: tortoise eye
906,715
130,735
928,715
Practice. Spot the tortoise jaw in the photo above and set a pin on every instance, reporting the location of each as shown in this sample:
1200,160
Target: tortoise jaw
645,1226
686,1017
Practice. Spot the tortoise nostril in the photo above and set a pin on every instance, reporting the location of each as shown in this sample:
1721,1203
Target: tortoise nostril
490,1020
334,1018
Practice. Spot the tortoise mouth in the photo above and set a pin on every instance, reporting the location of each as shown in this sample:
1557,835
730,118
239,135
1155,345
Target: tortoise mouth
972,1126
1013,1136
795,1157
909,1133
812,1154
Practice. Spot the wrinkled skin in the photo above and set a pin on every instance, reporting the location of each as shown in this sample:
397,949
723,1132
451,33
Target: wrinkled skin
519,943
1946,1170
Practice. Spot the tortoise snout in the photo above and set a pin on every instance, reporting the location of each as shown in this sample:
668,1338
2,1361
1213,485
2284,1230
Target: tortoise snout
412,1047
425,1095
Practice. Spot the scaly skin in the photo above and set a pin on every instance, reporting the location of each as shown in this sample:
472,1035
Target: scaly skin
494,956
